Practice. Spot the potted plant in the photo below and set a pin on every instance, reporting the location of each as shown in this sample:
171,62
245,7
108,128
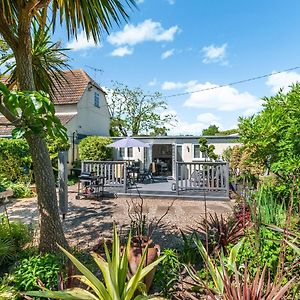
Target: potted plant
142,229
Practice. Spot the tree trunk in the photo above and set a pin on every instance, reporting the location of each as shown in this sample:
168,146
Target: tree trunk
51,232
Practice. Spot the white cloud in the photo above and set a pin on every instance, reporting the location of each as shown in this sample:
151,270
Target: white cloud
190,128
214,54
82,42
282,80
223,99
145,31
171,2
170,85
208,118
167,54
153,82
122,51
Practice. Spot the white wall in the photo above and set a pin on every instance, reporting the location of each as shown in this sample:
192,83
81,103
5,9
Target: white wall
66,108
92,120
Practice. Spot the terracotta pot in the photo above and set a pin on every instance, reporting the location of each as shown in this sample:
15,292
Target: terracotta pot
138,245
33,188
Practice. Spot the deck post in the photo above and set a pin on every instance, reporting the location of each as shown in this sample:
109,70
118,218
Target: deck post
125,177
176,178
227,179
63,182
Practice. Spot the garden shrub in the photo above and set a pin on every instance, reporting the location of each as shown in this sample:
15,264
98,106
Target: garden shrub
15,160
43,267
13,236
168,272
94,148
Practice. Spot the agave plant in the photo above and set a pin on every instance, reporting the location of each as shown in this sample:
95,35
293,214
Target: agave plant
115,285
220,232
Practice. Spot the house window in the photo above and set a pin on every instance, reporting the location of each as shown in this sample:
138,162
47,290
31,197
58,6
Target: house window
179,153
129,152
121,152
97,99
197,151
198,154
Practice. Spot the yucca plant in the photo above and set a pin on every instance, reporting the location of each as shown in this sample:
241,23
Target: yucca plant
115,285
215,270
239,287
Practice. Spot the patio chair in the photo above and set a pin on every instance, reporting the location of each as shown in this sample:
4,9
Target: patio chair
146,174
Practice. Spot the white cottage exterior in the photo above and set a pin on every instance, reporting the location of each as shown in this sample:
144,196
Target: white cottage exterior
80,104
172,149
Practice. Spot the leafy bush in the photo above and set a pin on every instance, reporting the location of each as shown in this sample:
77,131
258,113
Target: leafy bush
13,236
45,268
21,190
15,160
94,148
7,290
167,274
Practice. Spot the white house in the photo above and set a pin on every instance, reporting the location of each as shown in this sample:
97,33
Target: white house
169,149
81,106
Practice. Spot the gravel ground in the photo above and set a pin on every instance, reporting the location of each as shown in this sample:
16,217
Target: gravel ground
89,221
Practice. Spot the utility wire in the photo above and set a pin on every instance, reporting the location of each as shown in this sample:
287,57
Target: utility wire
228,84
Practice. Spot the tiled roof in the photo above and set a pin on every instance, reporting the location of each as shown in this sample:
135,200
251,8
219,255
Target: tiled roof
71,90
5,130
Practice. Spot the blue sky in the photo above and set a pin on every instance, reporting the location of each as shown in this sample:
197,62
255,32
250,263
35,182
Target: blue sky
176,46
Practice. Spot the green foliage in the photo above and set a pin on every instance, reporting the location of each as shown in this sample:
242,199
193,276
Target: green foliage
20,190
7,290
274,135
228,132
13,236
136,113
43,267
48,61
211,130
188,249
94,148
114,271
268,209
56,145
34,113
207,149
15,160
167,274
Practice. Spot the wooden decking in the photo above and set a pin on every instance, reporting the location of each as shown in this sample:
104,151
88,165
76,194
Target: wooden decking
196,180
163,187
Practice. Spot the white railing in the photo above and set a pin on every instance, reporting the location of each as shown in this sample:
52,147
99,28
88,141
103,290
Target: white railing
113,173
202,176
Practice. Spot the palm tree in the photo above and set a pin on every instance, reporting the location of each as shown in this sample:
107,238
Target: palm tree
16,16
49,61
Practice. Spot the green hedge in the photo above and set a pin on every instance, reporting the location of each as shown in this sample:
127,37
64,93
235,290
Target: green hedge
15,160
94,148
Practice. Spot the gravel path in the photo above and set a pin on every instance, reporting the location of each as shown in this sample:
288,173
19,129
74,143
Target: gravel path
89,221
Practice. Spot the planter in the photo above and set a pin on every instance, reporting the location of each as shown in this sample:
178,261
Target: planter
33,188
138,245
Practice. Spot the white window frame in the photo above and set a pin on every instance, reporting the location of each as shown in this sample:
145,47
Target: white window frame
201,154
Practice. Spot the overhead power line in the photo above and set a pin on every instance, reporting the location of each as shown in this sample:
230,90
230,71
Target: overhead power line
229,84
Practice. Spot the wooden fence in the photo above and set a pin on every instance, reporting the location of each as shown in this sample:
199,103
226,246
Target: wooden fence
114,173
202,176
